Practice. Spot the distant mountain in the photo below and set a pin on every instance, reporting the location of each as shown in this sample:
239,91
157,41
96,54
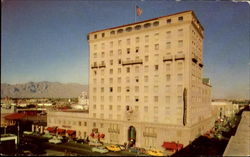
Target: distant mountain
42,90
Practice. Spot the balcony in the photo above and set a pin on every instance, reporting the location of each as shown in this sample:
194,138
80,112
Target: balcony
131,62
102,65
147,134
94,66
195,59
180,57
111,130
167,58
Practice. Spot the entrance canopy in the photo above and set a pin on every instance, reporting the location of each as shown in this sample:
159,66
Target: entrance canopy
60,130
14,116
51,129
172,146
70,132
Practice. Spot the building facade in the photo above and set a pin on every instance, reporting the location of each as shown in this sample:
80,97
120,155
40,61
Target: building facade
145,84
145,81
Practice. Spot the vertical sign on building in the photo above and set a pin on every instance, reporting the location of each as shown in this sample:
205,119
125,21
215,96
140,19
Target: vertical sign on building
184,106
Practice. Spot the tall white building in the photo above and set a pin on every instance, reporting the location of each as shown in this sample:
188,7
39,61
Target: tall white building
146,82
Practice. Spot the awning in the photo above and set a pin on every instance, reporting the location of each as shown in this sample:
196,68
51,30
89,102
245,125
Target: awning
51,129
14,116
60,131
172,145
70,132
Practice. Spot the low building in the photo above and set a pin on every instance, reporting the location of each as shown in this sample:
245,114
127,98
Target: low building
223,109
8,144
72,123
238,145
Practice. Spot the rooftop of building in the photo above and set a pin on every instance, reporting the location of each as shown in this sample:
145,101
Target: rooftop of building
191,11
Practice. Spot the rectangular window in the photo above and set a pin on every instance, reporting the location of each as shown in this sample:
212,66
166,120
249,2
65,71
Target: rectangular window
156,46
146,58
168,67
146,38
179,100
145,89
180,32
119,98
110,98
180,43
136,89
111,71
179,77
102,89
137,69
119,70
119,42
145,98
146,48
156,67
103,35
111,62
145,68
111,89
111,44
110,107
168,89
167,99
128,41
95,36
145,108
180,18
111,53
168,34
128,70
168,21
156,88
103,45
103,54
156,109
102,81
156,36
102,107
168,77
168,45
119,52
110,80
128,50
119,80
137,49
119,89
137,39
145,78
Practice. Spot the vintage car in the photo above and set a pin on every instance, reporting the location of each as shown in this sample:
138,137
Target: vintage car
55,140
155,152
122,147
99,150
113,148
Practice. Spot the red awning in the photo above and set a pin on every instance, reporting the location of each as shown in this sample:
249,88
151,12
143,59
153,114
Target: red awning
51,129
60,130
172,145
71,132
14,116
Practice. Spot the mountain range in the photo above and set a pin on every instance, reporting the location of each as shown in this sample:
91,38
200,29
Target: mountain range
43,90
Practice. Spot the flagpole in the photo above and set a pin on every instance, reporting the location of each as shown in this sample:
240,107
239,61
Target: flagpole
135,11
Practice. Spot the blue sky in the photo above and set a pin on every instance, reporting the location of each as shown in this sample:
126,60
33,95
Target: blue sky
46,40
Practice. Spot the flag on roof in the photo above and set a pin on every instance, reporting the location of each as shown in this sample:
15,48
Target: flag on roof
138,11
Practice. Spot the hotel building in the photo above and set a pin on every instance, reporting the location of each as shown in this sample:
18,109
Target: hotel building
145,82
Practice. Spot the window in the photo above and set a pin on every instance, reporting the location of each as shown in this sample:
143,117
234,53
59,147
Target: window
102,98
179,66
180,18
112,32
127,99
127,79
119,98
146,108
95,36
128,29
102,81
168,99
103,45
136,98
119,62
168,89
128,41
119,52
95,55
102,89
155,98
103,55
147,25
111,44
156,23
156,88
127,108
146,58
145,98
168,21
94,115
136,79
111,62
156,109
180,43
168,76
127,89
156,67
119,89
110,107
137,39
137,27
110,98
94,106
180,32
119,107
146,48
137,49
156,36
136,89
179,100
179,77
168,67
179,89
146,38
111,89
156,46
119,80
95,47
145,89
128,50
128,70
168,45
119,42
111,71
168,34
102,72
119,31
94,90
145,78
79,123
111,53
102,107
137,69
103,34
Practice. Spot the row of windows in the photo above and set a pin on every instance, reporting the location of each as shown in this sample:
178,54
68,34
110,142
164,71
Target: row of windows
67,122
169,34
136,99
168,45
137,27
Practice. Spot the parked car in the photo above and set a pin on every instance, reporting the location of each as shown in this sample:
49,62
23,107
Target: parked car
155,152
122,147
55,140
133,150
99,150
47,136
81,141
95,143
113,148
